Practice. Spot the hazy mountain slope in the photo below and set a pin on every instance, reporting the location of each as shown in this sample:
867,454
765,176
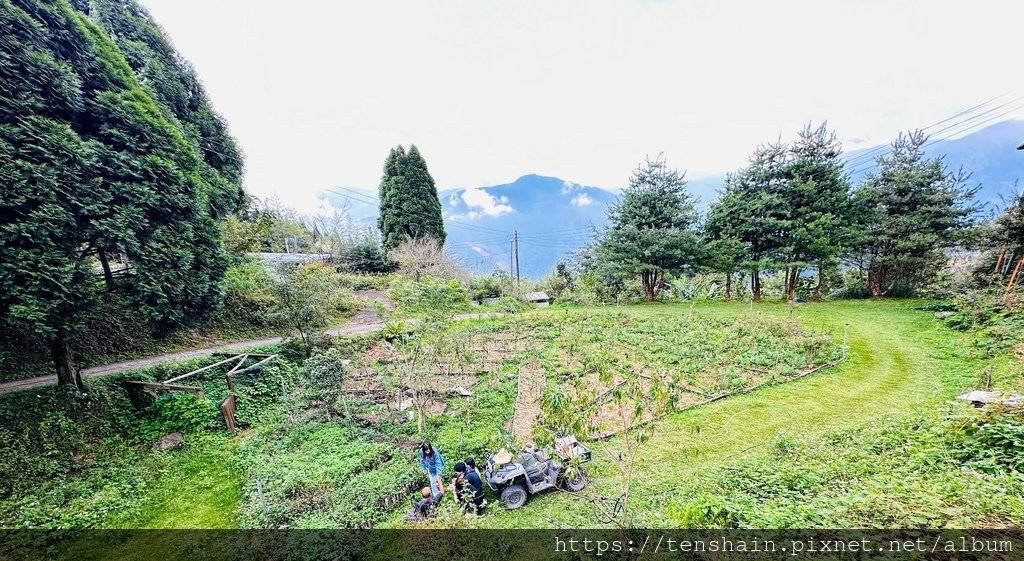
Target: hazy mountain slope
554,217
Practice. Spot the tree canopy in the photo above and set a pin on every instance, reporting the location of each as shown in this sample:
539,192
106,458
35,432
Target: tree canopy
914,209
409,206
652,228
103,181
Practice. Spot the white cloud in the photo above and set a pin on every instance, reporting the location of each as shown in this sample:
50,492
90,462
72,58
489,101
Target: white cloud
568,186
480,250
481,203
582,199
312,95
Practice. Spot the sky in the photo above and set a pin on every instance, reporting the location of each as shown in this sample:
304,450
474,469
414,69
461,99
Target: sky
317,92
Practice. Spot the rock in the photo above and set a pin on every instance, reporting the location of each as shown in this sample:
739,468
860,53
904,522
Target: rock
982,397
169,442
459,390
401,405
944,315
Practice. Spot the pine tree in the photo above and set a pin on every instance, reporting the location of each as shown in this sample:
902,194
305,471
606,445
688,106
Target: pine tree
92,169
914,209
724,251
820,225
759,214
651,229
409,206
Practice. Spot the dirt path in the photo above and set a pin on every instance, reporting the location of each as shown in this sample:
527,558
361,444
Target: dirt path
528,395
357,325
363,321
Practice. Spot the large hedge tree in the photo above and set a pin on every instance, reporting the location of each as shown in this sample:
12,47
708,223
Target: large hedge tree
409,207
106,189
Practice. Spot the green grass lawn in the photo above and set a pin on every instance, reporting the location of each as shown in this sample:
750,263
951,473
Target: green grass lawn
900,362
197,487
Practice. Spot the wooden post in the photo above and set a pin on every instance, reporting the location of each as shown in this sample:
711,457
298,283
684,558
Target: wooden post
228,410
999,262
1013,276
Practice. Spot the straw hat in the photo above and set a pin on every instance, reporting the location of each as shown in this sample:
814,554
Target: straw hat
502,457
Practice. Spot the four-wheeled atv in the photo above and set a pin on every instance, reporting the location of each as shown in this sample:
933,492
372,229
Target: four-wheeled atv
534,470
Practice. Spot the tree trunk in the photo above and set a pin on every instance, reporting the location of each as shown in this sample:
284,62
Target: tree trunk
755,285
68,373
875,283
817,287
108,276
728,286
649,281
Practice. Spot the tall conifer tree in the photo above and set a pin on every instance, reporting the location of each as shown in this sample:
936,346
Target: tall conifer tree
409,207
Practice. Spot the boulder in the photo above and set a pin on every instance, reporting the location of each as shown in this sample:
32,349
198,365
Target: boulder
459,390
169,442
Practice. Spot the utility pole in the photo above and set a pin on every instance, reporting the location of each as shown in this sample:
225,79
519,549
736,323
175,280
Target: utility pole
516,239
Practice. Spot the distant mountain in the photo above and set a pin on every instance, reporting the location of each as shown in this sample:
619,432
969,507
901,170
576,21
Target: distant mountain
989,154
555,217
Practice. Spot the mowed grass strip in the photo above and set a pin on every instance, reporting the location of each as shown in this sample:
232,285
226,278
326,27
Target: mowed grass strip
900,360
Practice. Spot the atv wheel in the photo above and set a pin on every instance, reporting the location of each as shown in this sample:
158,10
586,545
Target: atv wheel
513,496
577,483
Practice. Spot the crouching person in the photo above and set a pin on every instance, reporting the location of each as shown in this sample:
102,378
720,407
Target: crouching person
469,489
423,509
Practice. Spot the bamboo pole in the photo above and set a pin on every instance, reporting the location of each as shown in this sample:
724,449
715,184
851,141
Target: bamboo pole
1013,276
999,262
203,369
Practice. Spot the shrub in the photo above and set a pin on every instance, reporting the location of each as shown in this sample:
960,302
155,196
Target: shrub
323,373
485,287
178,412
430,295
990,440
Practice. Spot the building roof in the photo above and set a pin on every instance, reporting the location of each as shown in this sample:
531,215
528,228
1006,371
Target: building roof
536,297
292,257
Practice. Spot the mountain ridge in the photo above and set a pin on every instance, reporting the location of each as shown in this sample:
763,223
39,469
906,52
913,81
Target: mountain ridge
554,217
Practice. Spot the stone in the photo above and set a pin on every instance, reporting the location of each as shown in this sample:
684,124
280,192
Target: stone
943,315
400,405
459,390
170,441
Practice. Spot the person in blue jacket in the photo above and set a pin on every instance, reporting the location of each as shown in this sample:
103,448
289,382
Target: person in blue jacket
432,463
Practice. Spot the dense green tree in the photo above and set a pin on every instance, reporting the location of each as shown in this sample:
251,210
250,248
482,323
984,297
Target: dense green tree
820,212
756,213
409,207
789,210
102,190
651,228
724,251
914,209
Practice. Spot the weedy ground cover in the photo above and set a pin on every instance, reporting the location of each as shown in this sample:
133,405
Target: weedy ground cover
876,423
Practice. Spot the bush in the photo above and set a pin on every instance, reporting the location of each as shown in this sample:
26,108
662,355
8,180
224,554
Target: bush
323,373
485,287
248,295
430,295
990,440
854,290
178,412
